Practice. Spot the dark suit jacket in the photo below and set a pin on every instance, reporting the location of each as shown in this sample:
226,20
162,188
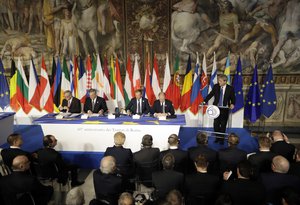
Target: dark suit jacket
210,155
100,104
132,106
295,169
275,182
107,186
124,159
201,184
146,162
228,98
11,186
261,162
181,159
75,106
284,149
9,154
245,192
167,180
157,108
230,157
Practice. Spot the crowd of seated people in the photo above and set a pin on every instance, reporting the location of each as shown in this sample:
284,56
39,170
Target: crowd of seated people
197,176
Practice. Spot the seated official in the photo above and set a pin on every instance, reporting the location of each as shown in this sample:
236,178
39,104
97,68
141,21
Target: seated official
107,184
70,104
15,141
123,156
16,187
48,158
138,104
94,103
162,107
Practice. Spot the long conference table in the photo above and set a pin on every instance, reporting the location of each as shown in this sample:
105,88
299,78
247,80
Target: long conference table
95,134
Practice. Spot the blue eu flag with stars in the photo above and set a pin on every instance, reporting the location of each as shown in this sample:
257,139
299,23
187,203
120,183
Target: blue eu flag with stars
238,87
4,91
268,95
252,105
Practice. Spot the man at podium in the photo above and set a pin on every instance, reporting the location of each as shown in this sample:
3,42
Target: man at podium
162,106
138,105
224,98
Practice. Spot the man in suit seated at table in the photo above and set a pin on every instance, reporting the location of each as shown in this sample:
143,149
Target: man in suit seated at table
49,159
224,98
70,104
8,154
107,184
16,187
138,105
162,106
94,104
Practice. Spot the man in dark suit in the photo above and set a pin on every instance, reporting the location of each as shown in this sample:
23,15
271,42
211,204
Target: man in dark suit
167,179
224,98
123,156
49,159
146,161
15,187
162,107
202,149
262,160
295,167
243,190
107,184
276,181
281,146
94,103
181,156
15,141
201,185
70,104
138,104
230,157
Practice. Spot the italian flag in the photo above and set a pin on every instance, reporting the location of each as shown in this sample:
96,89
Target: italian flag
22,88
128,85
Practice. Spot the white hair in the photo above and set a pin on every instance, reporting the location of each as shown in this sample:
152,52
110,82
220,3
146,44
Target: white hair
107,165
75,197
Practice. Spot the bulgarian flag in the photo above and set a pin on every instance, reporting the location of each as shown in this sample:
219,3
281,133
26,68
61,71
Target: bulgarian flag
13,87
22,89
46,101
119,87
128,85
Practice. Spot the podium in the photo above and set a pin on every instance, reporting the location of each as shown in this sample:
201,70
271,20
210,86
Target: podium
206,116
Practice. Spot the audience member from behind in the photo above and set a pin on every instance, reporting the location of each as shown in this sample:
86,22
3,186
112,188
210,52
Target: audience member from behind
49,159
126,199
174,197
230,157
123,156
15,142
274,182
202,149
75,197
201,184
290,196
262,160
243,190
146,160
167,179
281,146
181,156
295,167
224,199
16,187
108,185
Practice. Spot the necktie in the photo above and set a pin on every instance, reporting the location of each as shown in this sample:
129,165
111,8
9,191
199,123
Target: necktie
163,108
221,97
138,107
93,104
69,103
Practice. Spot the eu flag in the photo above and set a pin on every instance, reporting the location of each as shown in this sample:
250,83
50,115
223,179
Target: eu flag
238,87
252,105
4,91
268,95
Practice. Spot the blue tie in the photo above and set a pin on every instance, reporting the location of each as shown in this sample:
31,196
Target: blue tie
221,97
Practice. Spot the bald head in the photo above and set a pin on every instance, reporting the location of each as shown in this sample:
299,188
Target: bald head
108,165
20,163
277,135
280,164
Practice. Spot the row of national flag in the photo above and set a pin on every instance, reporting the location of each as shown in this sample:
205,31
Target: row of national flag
79,75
